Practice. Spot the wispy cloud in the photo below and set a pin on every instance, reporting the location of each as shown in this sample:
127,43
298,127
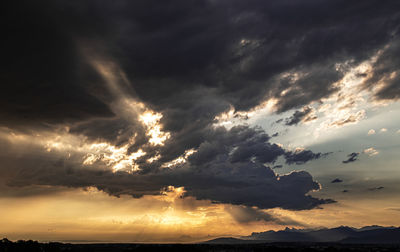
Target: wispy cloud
351,157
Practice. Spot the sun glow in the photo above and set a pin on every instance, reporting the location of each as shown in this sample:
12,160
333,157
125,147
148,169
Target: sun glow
179,160
230,118
70,146
114,157
150,118
154,130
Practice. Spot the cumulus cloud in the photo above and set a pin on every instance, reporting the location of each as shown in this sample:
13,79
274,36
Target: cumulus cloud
351,157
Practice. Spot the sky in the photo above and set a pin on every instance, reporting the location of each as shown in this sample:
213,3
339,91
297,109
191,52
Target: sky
181,121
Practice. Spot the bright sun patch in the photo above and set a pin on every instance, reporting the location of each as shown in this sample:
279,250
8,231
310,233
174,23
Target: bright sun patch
152,122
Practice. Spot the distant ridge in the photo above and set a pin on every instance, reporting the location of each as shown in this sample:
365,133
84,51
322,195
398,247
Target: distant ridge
231,240
342,234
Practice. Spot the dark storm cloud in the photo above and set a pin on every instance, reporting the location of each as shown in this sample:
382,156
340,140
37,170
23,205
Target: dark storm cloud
44,78
211,173
351,157
305,115
167,48
189,60
242,184
245,144
228,168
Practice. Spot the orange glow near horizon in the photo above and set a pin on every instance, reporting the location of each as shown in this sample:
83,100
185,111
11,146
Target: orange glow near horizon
91,215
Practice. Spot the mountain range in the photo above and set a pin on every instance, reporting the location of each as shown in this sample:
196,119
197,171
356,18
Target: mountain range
342,234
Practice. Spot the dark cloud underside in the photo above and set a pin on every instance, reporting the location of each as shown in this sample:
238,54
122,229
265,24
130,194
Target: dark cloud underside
214,172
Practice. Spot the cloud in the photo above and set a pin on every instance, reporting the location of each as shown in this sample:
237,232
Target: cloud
376,188
221,170
371,151
371,132
384,76
305,115
91,69
351,157
245,215
301,156
337,181
296,67
150,55
349,119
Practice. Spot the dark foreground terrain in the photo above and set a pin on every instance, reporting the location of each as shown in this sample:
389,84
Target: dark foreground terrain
8,246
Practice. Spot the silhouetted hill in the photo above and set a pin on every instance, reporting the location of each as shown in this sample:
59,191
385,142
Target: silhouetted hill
230,240
375,236
373,227
343,234
294,235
